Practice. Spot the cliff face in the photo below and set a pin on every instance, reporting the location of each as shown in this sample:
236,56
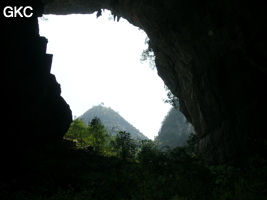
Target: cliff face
211,54
33,111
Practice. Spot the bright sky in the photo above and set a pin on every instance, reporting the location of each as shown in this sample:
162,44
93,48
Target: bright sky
98,60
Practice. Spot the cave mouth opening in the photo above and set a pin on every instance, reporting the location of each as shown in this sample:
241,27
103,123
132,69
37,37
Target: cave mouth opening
98,60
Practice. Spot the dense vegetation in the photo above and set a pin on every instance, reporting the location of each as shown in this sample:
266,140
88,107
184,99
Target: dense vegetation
92,165
174,130
112,121
96,137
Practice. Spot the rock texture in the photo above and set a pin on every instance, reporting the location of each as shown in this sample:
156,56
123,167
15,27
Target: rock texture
33,112
211,54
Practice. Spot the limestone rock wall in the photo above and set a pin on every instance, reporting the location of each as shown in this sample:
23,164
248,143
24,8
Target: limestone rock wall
211,54
33,112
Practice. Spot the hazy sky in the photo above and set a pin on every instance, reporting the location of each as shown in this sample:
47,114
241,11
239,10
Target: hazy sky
98,60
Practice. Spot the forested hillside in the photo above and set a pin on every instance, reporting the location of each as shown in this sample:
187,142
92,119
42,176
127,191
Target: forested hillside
174,130
112,121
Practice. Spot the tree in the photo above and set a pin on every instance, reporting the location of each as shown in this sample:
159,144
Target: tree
94,135
193,145
97,135
148,54
112,121
77,132
172,100
148,151
124,145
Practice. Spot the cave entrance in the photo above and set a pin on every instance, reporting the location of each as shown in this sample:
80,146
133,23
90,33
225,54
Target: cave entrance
98,60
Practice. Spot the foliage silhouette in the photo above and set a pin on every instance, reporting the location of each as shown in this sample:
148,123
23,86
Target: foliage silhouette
148,55
94,135
124,146
136,170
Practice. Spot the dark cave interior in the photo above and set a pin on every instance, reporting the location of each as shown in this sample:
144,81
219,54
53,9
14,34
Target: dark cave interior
211,54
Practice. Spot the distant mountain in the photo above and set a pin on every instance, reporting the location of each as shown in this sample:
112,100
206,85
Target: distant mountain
174,130
112,121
